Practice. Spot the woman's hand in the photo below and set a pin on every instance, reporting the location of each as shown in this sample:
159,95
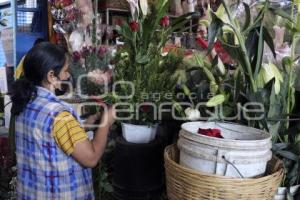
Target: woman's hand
108,117
89,123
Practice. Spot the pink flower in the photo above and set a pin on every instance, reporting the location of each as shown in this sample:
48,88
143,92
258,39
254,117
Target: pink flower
99,76
102,51
76,56
134,26
165,21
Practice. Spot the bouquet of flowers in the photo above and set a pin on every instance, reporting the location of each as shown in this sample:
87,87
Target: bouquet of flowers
147,70
92,69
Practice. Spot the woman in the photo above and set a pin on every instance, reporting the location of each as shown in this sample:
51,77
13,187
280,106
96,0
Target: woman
53,151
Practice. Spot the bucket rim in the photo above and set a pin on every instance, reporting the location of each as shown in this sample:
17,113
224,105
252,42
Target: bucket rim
138,125
265,135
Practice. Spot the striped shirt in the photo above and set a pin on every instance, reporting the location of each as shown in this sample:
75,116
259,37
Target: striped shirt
67,132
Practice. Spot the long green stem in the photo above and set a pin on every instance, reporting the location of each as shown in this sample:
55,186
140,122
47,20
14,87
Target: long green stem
260,50
243,48
291,69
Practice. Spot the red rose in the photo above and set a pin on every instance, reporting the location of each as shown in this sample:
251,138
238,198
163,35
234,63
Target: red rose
165,21
76,56
134,26
145,107
212,132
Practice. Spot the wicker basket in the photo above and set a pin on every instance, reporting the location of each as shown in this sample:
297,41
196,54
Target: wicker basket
184,183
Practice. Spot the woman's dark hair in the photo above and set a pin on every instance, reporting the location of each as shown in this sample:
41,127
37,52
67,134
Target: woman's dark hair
40,59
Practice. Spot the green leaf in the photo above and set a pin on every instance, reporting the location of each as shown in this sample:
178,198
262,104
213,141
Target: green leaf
108,187
270,71
118,29
238,84
275,105
199,59
279,146
186,90
233,50
178,108
287,64
256,23
220,66
274,129
298,22
247,16
259,52
288,155
213,30
282,13
209,74
269,40
142,59
296,148
216,100
185,18
252,42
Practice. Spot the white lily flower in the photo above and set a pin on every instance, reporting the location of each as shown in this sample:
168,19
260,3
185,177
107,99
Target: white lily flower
134,8
192,114
76,40
144,7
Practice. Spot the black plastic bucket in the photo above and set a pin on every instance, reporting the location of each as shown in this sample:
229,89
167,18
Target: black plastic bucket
138,170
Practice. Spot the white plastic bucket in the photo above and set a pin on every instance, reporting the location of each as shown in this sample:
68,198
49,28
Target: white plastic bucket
138,133
243,152
282,192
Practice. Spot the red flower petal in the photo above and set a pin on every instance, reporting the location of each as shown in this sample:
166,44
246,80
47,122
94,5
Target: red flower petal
212,132
134,26
165,21
203,43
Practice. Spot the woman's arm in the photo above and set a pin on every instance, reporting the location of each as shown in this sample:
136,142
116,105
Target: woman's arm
87,152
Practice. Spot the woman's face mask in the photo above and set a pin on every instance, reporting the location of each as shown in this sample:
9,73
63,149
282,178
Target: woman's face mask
64,81
63,87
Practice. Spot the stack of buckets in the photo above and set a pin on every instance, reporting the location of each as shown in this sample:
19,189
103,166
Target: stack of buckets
243,152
